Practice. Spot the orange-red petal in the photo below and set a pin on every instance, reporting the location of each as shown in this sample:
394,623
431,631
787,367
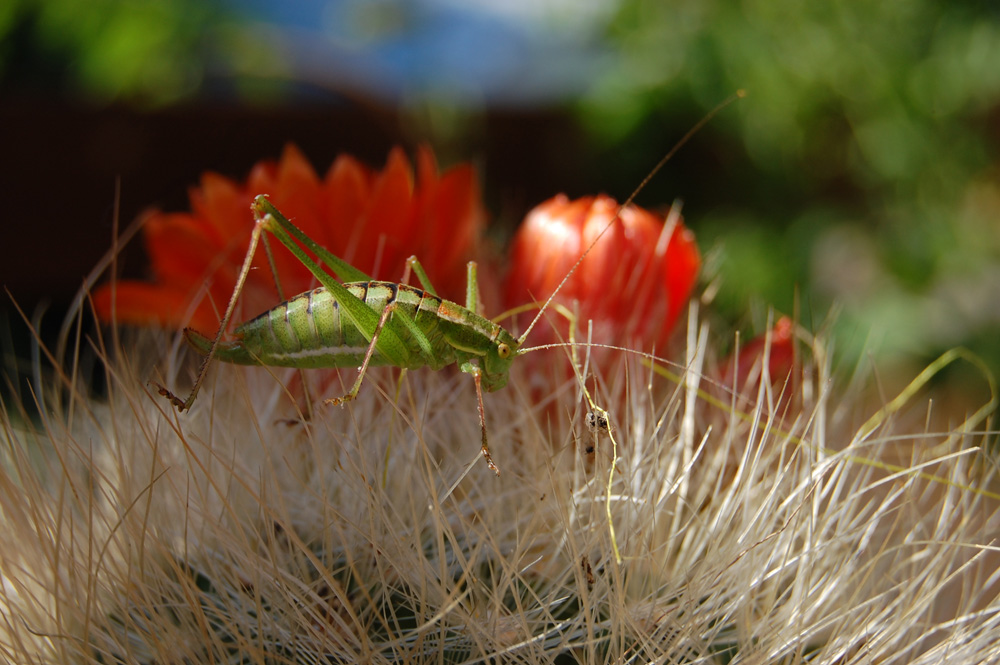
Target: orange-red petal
386,222
779,344
221,206
139,304
180,249
347,190
633,283
682,263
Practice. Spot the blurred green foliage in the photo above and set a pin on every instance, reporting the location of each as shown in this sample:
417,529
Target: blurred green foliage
147,51
871,136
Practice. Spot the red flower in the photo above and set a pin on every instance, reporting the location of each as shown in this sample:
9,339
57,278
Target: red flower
374,220
780,357
633,284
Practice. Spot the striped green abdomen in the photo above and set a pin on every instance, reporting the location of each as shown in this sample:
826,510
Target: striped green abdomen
312,331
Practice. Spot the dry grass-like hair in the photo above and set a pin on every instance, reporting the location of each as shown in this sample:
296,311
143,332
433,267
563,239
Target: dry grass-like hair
773,532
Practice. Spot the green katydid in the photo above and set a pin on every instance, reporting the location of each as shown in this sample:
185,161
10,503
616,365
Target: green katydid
359,323
364,322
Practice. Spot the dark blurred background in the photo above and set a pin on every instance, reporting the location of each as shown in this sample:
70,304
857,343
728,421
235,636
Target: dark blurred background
860,173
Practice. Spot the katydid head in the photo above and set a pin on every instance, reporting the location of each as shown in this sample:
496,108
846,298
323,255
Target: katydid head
495,365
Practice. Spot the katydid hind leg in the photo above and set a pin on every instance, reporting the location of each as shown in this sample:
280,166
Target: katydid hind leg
471,304
357,311
262,207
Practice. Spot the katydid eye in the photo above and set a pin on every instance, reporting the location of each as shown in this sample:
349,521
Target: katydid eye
503,350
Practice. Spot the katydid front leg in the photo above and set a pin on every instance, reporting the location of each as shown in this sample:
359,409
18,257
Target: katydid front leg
182,405
469,368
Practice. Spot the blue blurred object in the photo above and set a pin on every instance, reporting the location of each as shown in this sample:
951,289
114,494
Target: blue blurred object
514,53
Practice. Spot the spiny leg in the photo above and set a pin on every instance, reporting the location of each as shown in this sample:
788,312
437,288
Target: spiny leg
386,313
476,373
472,304
207,361
412,264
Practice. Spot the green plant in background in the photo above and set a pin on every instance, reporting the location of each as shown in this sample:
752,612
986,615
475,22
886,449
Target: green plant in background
154,53
871,174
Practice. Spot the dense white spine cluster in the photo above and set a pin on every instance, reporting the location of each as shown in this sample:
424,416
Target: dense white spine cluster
770,530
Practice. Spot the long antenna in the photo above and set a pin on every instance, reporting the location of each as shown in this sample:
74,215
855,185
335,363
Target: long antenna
739,94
